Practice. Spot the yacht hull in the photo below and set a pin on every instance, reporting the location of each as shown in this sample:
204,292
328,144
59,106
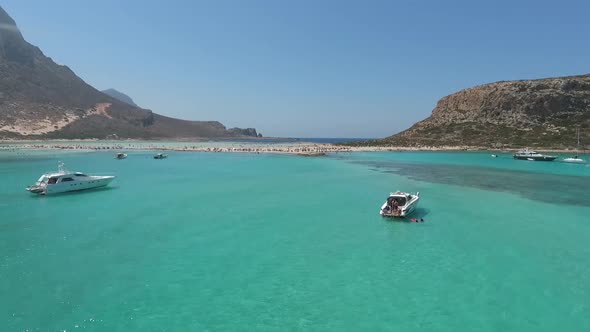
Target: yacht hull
92,183
536,158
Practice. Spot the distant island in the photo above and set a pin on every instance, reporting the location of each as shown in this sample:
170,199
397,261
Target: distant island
541,113
40,99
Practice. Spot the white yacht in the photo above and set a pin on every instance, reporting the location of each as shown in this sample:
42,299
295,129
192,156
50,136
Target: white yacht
65,181
527,154
399,204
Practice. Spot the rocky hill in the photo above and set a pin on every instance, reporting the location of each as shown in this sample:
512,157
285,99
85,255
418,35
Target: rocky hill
41,99
244,132
119,96
535,113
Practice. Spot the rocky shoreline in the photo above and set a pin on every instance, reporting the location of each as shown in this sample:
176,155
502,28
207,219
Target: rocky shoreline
544,112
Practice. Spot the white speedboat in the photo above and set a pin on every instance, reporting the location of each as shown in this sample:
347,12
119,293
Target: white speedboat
160,156
65,181
399,204
574,159
120,156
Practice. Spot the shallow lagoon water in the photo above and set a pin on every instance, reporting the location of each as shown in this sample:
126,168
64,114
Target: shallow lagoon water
229,241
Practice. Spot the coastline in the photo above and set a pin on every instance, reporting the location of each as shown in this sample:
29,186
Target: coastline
226,145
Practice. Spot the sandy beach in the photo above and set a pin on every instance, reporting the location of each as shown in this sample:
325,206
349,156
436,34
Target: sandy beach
225,147
297,148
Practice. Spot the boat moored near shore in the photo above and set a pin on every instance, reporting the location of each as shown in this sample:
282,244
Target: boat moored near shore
66,181
160,156
530,155
574,160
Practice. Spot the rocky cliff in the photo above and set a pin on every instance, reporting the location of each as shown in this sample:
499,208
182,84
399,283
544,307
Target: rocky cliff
119,96
41,99
535,113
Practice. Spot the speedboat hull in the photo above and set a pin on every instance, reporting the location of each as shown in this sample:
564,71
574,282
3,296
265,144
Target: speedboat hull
409,209
574,160
406,212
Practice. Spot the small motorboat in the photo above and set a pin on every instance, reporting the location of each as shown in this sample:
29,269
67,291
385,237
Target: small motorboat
527,154
399,204
494,156
574,160
160,156
120,156
66,181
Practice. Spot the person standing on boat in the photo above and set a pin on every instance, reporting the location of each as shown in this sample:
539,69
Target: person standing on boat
395,207
388,208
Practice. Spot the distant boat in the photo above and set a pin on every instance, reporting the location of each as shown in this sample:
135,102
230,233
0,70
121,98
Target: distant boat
121,156
575,159
527,154
160,156
494,156
66,181
312,154
399,204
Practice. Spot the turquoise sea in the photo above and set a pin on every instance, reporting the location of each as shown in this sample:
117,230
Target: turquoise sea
239,242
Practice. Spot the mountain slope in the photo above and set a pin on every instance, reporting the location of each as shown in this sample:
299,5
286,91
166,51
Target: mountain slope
41,99
119,96
536,113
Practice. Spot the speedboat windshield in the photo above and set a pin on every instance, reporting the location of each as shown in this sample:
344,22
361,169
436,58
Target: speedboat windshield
401,200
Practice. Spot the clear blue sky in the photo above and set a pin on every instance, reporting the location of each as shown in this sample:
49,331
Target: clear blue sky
306,68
